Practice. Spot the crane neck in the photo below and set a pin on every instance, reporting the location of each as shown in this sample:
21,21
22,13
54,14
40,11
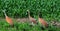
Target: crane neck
5,14
40,14
29,14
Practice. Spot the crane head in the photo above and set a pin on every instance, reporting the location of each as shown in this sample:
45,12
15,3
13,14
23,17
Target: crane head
28,11
4,10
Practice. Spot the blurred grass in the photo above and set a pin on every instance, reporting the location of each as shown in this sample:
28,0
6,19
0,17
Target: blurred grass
4,26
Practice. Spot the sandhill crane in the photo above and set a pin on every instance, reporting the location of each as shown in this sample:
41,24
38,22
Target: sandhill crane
8,19
42,21
22,20
55,23
32,20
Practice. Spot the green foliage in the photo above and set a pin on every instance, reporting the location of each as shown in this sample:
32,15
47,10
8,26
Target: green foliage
18,8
